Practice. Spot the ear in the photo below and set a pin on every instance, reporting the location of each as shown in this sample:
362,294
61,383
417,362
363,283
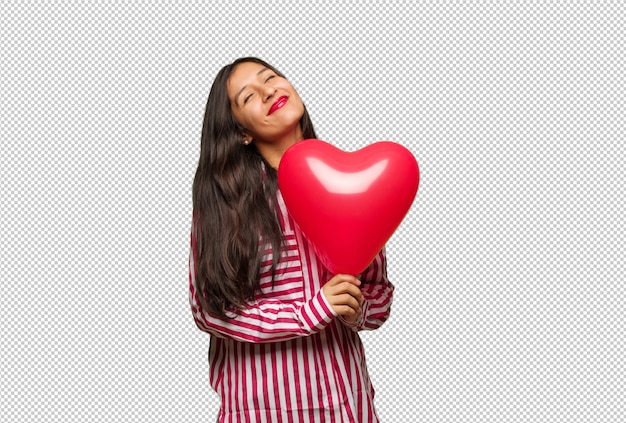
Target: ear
247,138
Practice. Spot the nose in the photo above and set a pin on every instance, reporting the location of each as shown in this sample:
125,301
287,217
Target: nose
268,92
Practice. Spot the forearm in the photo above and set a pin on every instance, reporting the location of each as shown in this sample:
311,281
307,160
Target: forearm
266,320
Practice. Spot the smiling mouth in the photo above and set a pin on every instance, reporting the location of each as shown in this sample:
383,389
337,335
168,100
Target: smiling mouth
278,104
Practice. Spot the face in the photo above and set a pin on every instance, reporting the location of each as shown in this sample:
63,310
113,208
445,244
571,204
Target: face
265,104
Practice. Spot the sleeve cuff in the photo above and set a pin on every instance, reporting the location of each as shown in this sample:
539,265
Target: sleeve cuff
317,313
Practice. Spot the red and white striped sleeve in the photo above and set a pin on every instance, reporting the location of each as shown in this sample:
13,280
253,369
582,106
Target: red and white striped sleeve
262,320
377,294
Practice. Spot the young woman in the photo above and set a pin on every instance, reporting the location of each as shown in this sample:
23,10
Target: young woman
284,331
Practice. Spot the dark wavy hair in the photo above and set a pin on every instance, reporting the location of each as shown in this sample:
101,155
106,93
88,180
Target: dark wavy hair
234,202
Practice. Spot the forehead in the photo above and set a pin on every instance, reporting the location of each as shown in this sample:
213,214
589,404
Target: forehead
243,74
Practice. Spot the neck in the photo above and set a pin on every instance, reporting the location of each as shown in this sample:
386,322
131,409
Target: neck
273,151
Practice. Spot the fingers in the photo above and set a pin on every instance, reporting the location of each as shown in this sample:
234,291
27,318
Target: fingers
346,300
339,289
337,279
348,313
344,295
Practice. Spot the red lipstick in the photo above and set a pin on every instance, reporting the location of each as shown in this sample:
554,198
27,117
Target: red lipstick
278,104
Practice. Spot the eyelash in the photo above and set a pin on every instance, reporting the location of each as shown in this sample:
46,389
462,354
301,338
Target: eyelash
245,100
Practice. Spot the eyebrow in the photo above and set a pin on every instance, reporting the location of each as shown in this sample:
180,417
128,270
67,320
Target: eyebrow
244,87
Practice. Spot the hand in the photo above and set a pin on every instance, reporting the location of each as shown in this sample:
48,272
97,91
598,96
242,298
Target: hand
344,295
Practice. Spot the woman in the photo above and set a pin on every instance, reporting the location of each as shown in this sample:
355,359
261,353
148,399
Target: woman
284,331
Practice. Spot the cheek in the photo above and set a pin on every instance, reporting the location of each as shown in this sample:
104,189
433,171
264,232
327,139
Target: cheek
299,102
242,117
299,107
250,118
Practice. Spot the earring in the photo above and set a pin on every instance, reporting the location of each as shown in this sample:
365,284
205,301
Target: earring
246,142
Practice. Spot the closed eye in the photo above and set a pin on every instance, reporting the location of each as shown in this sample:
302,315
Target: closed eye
246,98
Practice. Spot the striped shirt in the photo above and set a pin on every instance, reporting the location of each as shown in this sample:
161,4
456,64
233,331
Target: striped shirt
286,356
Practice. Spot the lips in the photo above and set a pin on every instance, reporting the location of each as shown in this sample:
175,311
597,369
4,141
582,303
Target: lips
278,104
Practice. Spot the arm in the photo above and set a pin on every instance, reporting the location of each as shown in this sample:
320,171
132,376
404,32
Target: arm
377,296
261,320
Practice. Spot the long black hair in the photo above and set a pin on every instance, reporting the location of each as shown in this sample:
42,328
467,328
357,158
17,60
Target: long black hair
234,201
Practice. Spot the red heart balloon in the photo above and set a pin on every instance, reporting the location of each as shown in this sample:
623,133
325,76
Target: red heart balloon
348,204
